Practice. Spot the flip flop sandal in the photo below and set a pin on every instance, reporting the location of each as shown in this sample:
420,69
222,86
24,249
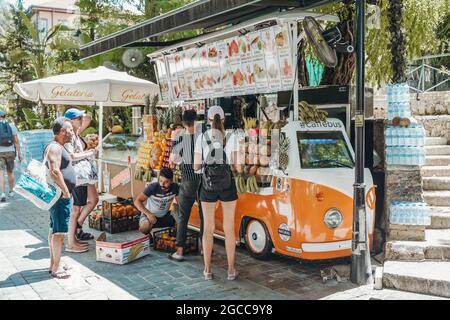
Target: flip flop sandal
77,250
83,236
60,275
65,268
175,257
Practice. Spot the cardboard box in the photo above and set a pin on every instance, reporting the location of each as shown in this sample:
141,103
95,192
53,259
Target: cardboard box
121,253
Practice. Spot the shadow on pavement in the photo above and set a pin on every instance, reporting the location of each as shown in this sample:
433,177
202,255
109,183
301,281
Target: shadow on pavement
157,277
25,277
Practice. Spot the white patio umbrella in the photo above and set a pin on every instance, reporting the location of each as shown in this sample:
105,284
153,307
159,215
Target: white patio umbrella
100,86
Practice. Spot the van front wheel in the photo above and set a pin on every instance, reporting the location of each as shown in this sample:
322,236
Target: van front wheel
257,239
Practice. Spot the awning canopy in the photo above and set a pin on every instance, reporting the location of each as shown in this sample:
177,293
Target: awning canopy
202,14
89,87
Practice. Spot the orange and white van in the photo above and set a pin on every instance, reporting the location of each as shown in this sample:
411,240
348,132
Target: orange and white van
307,212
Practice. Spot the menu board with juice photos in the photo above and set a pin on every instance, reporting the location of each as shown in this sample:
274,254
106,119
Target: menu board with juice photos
173,77
238,77
282,41
271,58
226,75
213,79
247,64
199,82
163,80
179,62
188,73
258,62
206,75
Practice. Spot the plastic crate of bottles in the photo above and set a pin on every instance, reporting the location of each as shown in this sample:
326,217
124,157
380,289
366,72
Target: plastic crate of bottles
33,144
398,101
409,213
414,135
398,92
406,156
399,109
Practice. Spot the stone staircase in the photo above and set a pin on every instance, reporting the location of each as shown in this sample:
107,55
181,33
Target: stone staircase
424,266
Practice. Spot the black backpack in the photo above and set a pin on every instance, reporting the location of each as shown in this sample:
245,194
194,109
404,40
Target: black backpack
216,176
6,135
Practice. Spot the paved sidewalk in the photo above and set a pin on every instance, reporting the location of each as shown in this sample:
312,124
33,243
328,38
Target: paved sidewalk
24,262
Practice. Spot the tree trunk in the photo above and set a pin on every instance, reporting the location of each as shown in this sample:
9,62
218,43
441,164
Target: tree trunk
151,9
398,41
343,72
303,77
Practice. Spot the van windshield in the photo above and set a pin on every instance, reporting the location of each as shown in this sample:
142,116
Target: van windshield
323,150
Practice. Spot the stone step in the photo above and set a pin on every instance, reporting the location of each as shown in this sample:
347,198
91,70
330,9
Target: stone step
435,247
439,171
436,183
437,150
425,277
433,141
437,160
437,198
440,218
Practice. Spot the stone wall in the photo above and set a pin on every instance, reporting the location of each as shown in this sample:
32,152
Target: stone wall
402,183
435,126
427,103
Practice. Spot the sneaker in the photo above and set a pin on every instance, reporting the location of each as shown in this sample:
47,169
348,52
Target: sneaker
207,275
233,276
11,194
176,257
3,197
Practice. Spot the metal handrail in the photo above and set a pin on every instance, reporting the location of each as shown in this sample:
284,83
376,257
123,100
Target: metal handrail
425,66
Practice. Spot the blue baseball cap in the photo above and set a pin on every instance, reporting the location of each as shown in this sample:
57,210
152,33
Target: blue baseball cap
73,113
2,113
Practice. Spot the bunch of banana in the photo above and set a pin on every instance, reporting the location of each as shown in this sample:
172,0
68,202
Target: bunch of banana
252,185
308,113
249,123
240,184
177,175
135,251
269,125
138,173
148,176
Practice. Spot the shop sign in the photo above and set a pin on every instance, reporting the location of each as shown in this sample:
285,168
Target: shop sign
258,62
327,124
122,178
284,232
63,92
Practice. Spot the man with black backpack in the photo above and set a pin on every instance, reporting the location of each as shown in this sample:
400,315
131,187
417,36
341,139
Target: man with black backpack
9,148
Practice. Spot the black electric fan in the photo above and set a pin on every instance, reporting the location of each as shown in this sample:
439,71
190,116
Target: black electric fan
325,43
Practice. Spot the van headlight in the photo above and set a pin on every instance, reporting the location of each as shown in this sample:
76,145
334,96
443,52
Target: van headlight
333,218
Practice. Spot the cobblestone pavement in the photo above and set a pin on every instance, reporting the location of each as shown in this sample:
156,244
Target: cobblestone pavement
24,261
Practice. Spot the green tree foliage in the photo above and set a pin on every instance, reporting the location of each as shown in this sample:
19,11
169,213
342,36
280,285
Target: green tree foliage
422,21
15,46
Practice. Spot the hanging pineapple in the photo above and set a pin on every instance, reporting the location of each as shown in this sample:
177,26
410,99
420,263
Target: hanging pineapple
177,116
284,152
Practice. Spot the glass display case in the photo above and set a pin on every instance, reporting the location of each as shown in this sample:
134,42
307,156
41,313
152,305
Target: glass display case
117,148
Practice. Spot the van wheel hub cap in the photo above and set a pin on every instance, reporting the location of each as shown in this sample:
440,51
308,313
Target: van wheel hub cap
256,236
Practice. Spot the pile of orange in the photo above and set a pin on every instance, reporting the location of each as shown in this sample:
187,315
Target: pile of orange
166,242
121,211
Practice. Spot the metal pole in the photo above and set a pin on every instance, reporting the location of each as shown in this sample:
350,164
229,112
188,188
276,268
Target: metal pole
100,146
361,272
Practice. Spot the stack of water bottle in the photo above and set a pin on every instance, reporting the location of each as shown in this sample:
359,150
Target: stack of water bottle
33,143
404,144
398,101
410,213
